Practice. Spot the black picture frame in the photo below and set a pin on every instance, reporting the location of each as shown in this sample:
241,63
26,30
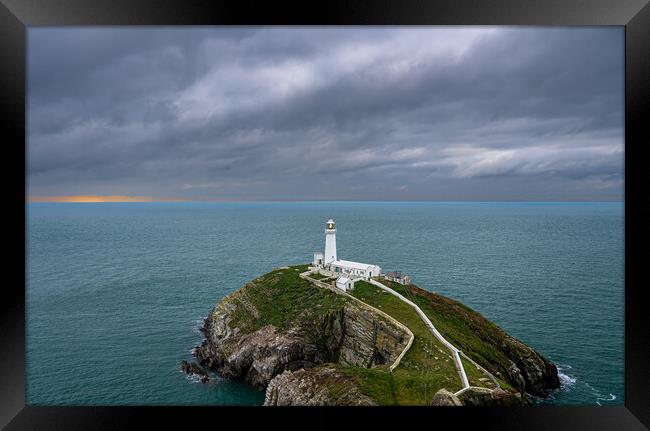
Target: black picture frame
17,15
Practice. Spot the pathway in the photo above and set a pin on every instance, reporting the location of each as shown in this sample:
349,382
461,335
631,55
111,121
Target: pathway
305,275
455,353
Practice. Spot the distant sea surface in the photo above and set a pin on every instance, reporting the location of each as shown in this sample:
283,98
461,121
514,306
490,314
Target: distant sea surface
116,291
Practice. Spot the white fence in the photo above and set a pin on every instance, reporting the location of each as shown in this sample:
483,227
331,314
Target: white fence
455,353
305,275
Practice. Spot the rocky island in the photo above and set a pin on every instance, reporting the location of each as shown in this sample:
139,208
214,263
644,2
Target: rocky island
305,344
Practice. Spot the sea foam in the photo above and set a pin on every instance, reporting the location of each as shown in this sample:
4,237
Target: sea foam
566,381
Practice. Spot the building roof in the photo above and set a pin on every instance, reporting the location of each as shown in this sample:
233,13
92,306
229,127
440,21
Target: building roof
353,265
342,279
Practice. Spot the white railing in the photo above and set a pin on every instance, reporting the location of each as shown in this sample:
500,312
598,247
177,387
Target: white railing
305,275
455,353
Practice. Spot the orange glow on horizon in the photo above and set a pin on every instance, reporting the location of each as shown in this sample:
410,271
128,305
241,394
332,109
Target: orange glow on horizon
97,199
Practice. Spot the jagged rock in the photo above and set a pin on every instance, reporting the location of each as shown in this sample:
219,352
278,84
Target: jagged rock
490,397
350,335
266,336
193,368
315,387
445,398
261,355
539,374
529,371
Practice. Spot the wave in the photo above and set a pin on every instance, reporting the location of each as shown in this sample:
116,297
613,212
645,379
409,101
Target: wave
192,378
612,397
198,324
566,380
599,396
215,379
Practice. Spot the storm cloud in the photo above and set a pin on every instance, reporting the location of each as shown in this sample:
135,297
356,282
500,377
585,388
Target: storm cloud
504,113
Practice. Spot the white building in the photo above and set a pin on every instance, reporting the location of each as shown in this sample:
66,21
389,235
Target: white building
345,283
398,277
330,261
360,270
318,258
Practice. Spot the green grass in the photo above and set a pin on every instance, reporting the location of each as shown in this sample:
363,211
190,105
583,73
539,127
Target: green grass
427,366
280,298
378,384
474,375
465,328
402,387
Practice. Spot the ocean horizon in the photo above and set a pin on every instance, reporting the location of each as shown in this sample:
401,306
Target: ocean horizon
116,291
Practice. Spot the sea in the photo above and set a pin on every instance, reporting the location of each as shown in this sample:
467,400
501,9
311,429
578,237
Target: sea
116,291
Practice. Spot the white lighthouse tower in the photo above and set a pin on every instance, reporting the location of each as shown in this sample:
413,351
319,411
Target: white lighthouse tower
330,243
346,271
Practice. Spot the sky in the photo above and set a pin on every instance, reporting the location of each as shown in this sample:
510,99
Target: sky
325,113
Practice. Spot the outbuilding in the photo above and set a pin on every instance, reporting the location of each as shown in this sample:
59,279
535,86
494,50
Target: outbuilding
318,258
355,269
398,277
345,283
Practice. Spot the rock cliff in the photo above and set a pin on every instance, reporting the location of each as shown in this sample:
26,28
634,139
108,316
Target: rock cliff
345,333
307,345
322,386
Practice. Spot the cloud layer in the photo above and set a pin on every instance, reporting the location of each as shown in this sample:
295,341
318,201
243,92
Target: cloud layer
327,113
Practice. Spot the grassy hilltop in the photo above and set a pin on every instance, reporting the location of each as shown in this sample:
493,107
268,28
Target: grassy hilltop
282,327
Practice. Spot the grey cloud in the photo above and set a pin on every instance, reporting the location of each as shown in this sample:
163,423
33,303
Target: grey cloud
372,113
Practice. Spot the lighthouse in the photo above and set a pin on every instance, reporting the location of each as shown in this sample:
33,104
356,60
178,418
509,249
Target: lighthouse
330,263
330,242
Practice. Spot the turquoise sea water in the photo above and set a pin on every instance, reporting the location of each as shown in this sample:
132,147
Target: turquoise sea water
115,291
